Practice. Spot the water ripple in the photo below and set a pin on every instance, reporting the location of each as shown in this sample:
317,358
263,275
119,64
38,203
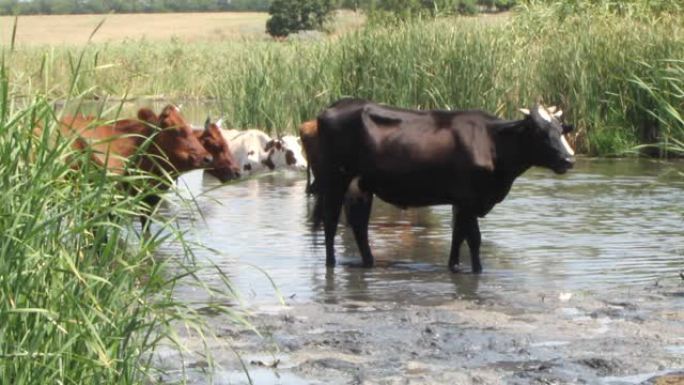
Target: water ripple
607,225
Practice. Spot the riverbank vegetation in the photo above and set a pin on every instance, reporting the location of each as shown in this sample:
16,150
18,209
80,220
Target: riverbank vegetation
609,70
83,298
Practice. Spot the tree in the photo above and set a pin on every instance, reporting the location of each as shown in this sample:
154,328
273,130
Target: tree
384,10
291,16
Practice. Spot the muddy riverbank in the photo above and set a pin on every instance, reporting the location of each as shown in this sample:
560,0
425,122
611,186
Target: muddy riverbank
581,286
535,338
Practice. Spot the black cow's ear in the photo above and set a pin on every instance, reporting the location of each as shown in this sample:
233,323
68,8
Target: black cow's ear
515,127
567,128
207,123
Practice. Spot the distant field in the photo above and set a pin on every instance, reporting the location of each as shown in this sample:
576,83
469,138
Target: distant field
75,29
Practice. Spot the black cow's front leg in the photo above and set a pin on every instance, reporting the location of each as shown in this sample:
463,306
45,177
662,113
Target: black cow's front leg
474,240
152,201
358,211
465,227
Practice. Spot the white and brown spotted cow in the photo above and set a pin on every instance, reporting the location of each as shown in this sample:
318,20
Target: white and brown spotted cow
255,151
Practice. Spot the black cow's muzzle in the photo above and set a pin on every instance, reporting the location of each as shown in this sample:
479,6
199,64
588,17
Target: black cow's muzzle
563,165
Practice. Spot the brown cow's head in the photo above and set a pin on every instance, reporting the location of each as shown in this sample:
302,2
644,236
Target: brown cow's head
549,148
175,140
224,167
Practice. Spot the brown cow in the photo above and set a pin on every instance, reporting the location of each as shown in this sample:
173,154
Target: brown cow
308,133
224,167
164,144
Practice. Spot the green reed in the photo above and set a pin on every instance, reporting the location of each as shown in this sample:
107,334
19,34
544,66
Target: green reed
664,104
585,61
84,299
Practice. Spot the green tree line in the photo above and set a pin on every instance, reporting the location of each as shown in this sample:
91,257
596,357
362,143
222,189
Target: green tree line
291,16
434,7
49,7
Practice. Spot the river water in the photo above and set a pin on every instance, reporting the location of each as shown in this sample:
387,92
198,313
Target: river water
608,224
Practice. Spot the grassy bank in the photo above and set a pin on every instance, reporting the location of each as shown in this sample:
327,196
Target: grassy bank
593,63
83,300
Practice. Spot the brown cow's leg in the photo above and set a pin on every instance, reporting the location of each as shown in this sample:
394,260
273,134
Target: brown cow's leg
358,213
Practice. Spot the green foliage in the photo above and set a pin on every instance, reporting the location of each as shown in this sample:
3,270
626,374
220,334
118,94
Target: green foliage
383,10
628,8
291,16
586,64
663,101
10,7
467,7
83,298
499,5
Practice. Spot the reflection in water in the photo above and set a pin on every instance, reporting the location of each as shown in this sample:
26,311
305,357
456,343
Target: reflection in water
606,225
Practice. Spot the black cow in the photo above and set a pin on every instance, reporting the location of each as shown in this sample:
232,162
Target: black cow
409,158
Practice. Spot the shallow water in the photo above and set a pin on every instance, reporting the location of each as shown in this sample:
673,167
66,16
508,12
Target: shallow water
606,225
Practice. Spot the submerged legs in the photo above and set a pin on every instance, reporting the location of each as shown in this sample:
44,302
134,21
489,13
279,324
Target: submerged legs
332,205
466,228
358,214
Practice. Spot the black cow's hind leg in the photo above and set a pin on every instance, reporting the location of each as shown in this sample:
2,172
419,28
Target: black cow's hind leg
309,189
474,240
358,214
465,227
332,205
457,237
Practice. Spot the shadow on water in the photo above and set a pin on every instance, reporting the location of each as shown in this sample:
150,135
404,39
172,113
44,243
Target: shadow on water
607,225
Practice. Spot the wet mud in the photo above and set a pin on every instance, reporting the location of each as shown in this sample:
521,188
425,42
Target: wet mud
517,339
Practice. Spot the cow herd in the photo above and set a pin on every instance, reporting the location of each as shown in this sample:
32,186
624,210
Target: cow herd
354,150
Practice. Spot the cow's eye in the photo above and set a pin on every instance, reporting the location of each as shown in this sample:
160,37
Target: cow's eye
183,133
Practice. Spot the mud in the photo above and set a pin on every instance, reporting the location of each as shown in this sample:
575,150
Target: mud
516,339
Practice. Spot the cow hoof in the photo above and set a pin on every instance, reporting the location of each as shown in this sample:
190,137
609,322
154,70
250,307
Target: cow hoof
357,265
455,268
477,269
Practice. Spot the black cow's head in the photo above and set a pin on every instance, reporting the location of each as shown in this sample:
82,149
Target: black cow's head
548,146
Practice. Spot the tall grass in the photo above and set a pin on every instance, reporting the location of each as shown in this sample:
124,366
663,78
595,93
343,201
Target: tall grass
665,105
584,61
83,299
